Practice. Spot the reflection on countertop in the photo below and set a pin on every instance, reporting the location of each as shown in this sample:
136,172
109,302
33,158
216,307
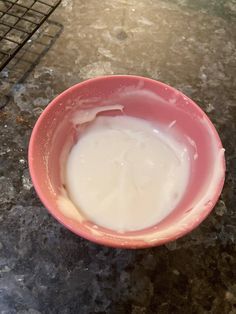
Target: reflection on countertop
46,269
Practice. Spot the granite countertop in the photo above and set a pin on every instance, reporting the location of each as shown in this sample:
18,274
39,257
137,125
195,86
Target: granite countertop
44,268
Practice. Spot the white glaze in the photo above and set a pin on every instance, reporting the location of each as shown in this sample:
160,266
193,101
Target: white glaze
124,174
185,222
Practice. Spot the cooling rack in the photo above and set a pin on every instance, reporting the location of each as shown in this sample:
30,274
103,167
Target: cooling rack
19,20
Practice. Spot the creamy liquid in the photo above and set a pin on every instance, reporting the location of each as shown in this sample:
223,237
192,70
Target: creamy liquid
125,174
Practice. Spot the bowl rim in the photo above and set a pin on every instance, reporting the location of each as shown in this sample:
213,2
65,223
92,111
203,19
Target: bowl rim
117,242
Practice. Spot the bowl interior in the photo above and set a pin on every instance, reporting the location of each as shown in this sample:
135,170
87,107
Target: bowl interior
54,135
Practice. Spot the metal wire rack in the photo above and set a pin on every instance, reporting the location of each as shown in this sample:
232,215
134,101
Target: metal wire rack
19,20
19,67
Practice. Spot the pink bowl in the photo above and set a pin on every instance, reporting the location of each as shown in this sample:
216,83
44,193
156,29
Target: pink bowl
54,135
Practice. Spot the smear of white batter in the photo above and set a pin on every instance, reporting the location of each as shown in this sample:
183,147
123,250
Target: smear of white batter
88,115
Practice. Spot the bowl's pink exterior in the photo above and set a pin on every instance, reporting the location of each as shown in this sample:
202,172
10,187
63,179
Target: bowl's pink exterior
141,97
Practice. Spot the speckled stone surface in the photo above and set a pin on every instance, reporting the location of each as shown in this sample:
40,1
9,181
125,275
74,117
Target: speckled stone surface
44,268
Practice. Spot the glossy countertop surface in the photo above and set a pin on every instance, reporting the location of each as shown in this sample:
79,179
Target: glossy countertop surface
44,268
